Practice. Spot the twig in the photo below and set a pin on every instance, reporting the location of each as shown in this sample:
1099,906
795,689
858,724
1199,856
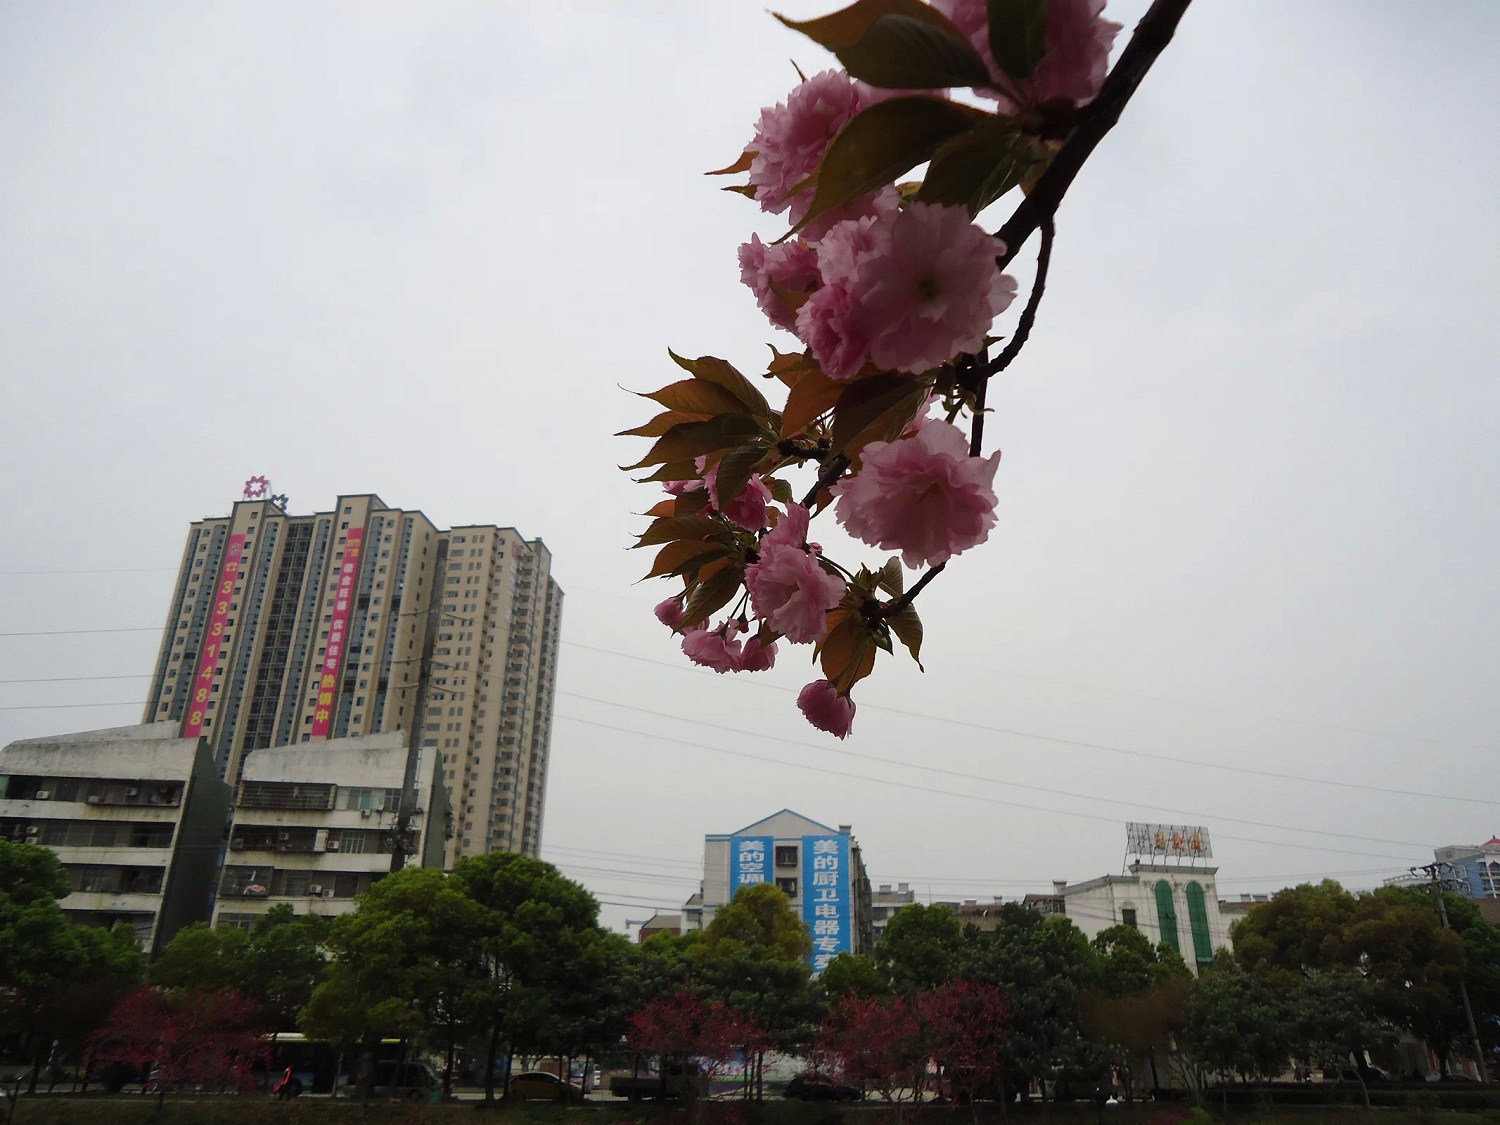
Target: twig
890,609
1150,39
976,432
830,473
1027,321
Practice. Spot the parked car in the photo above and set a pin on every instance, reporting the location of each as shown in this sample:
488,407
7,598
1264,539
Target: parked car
820,1088
413,1080
539,1086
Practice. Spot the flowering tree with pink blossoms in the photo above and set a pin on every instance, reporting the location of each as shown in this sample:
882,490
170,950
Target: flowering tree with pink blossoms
892,289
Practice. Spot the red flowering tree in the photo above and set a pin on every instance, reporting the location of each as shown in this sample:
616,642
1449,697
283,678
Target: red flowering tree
965,1024
688,1032
891,291
207,1040
875,1043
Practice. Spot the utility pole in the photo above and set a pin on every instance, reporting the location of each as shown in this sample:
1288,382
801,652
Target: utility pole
401,844
1438,878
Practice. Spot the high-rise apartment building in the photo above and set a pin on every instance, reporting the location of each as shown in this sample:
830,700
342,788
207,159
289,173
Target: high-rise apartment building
287,629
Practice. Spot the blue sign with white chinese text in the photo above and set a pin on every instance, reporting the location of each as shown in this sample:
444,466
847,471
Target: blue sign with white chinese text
826,905
750,860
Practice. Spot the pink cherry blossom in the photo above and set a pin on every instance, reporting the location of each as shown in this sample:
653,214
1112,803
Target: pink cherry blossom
757,657
748,509
1075,58
823,707
714,648
792,593
790,138
907,292
790,267
921,495
669,612
790,529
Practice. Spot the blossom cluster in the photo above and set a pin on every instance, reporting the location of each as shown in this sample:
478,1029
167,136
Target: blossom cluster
881,284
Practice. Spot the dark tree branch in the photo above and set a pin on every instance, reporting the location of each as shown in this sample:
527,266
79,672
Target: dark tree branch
1027,321
1150,39
831,472
890,609
976,431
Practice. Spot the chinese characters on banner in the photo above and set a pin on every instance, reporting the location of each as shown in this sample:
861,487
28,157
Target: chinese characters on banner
825,897
333,654
749,861
213,642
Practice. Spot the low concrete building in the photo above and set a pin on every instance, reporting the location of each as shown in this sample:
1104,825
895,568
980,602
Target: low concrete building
1167,902
883,906
315,825
135,814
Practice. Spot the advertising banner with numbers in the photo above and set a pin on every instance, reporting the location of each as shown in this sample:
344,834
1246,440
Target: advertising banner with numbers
333,653
826,898
196,715
749,861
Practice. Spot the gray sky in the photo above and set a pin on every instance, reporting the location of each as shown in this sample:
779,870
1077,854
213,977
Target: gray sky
1247,514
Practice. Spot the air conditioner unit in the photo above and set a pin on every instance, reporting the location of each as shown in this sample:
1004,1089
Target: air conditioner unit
44,794
315,890
132,792
283,836
33,830
332,846
237,845
328,892
96,799
364,813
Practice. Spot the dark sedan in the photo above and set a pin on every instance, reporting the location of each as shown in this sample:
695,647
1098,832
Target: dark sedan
820,1088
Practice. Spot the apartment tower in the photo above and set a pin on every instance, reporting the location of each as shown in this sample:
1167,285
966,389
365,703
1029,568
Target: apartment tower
288,629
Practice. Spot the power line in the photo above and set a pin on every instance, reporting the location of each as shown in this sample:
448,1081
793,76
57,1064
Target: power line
76,679
996,781
82,632
71,706
1274,775
1076,685
910,787
987,727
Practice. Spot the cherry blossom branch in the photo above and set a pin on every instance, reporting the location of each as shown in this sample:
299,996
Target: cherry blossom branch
830,473
890,609
1023,326
1150,39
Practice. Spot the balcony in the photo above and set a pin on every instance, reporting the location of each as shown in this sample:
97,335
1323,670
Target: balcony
112,902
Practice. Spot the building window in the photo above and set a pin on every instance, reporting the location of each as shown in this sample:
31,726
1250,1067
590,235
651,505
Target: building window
1127,917
786,856
787,887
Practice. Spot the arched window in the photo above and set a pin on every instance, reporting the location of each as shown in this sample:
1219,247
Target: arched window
1166,915
1203,946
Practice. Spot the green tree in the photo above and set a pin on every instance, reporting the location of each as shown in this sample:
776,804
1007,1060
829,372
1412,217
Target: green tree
1042,964
920,949
57,980
203,958
753,959
1237,1023
407,961
851,974
1140,1002
536,936
1336,1015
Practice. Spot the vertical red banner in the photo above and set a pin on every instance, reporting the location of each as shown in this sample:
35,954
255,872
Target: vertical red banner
333,654
213,641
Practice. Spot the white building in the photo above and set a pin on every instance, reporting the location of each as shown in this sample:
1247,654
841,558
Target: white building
820,869
1172,903
136,816
315,825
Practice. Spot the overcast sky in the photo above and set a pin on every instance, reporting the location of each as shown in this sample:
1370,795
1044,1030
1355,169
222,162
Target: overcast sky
1245,568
